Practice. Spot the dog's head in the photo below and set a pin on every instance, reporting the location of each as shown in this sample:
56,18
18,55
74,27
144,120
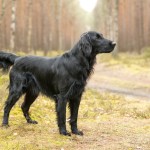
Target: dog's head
93,42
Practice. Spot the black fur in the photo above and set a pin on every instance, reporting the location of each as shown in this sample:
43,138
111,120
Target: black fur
6,60
62,78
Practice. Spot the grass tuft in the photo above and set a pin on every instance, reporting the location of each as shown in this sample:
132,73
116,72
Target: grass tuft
103,117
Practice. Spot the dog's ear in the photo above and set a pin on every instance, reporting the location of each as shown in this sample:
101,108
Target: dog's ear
85,45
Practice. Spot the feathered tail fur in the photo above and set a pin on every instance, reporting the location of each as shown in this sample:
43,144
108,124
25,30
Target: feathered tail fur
7,60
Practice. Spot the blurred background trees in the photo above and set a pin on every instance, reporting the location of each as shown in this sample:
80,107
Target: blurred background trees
33,25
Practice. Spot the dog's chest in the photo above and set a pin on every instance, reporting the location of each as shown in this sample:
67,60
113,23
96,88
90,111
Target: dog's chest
74,90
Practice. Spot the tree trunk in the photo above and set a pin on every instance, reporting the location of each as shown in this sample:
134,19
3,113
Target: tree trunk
3,3
29,35
51,24
13,25
60,23
115,16
45,31
58,9
141,25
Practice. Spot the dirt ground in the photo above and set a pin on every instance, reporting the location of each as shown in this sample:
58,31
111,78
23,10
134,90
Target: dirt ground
113,116
121,80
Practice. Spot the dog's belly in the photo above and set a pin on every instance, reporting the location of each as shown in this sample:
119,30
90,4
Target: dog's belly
52,77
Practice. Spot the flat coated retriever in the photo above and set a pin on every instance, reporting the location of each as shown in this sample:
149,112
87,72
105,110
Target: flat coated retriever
62,78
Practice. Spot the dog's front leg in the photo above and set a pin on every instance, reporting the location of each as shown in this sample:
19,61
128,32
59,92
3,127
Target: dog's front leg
61,115
74,107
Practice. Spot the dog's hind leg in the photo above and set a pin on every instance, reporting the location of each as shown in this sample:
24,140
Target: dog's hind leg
31,95
14,95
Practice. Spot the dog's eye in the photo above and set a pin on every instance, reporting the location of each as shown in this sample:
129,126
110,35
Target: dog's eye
98,36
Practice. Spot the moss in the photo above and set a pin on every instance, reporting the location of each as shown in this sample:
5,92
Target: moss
104,117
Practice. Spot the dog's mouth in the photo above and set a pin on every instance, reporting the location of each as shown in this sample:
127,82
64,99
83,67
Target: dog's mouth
108,48
111,47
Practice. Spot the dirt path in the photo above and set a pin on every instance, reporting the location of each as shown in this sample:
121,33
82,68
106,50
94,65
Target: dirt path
109,121
121,80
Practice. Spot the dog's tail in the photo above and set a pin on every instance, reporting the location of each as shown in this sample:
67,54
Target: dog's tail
7,60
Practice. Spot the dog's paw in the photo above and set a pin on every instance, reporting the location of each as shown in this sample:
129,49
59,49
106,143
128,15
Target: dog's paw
5,125
65,133
32,122
77,132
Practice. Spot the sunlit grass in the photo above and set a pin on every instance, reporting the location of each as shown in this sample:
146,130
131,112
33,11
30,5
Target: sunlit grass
131,60
96,108
104,117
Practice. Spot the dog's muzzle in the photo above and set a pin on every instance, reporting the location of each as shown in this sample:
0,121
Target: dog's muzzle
113,43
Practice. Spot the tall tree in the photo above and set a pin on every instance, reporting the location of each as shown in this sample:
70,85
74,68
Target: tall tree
115,22
3,6
29,35
60,23
13,25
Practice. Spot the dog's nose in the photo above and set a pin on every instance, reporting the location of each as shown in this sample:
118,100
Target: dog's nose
113,43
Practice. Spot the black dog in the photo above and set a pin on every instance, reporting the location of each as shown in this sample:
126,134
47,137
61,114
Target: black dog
62,78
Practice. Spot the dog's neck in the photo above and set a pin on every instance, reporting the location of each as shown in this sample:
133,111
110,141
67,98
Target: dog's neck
87,62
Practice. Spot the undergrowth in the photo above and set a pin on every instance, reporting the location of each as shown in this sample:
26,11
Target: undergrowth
132,60
104,117
95,107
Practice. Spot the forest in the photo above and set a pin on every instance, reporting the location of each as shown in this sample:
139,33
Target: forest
114,113
47,25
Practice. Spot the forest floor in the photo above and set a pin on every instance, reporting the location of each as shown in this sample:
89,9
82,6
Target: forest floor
114,112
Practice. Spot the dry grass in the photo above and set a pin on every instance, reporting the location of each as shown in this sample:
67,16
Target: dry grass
109,122
134,62
104,118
